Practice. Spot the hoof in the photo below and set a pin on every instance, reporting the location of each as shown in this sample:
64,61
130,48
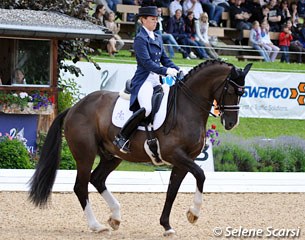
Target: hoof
169,233
100,229
115,224
192,218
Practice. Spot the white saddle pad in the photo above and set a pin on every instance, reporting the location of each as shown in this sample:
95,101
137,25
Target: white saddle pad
121,112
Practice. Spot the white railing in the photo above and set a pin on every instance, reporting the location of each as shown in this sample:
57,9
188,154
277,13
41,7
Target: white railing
121,181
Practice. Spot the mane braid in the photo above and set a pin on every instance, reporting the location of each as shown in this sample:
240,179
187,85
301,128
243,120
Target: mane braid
204,64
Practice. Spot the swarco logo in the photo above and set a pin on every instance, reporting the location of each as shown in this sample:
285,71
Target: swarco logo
276,92
298,93
266,92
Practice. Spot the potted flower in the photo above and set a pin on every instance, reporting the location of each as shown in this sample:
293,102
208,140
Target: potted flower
212,135
24,103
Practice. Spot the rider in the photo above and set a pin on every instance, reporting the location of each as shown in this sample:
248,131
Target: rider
150,53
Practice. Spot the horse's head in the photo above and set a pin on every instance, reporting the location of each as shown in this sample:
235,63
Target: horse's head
233,89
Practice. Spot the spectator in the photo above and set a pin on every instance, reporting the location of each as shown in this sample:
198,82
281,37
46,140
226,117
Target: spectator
147,3
274,16
256,10
163,3
99,14
302,35
190,29
295,44
174,5
176,27
202,28
222,3
214,12
239,18
285,38
256,42
267,43
112,4
294,14
284,11
19,77
301,8
193,6
104,3
168,38
115,43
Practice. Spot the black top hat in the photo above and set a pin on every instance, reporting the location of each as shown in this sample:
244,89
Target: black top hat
148,11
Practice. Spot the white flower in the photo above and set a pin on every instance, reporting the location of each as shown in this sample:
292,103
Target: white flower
23,95
15,94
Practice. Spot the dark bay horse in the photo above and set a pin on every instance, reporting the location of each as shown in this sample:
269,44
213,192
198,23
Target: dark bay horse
89,132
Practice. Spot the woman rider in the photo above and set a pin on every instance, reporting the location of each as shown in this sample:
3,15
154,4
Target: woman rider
150,53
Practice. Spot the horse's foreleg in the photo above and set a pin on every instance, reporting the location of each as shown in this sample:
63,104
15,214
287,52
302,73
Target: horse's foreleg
193,212
184,162
177,176
98,178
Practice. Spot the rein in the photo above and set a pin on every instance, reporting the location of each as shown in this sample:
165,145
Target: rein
199,101
195,99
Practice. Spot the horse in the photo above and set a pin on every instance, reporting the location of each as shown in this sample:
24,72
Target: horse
89,132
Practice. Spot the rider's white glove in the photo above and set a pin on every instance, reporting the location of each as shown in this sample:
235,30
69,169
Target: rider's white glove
172,72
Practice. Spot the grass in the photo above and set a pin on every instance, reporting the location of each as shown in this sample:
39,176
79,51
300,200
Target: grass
124,57
263,127
248,127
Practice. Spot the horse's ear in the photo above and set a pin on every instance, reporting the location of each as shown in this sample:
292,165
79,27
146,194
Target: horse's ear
234,73
247,68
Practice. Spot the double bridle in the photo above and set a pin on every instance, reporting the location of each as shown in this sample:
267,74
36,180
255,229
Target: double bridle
200,101
239,91
221,106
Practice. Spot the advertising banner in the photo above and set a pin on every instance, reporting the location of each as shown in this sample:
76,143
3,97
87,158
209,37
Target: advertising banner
21,126
274,95
267,94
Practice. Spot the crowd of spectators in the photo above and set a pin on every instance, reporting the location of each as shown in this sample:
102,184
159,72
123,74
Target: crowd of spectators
185,30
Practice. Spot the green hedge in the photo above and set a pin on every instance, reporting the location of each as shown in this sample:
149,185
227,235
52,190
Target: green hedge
67,161
14,155
283,154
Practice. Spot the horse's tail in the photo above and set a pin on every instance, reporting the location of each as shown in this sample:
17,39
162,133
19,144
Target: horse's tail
43,179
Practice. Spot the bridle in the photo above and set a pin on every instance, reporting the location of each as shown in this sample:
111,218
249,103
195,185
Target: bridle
200,101
221,106
239,91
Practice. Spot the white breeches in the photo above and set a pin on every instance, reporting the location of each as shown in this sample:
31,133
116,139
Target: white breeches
146,91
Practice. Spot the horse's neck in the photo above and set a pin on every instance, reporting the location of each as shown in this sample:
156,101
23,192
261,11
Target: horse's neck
206,80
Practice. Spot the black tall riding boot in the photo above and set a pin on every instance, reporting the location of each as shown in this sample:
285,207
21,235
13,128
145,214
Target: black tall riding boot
122,139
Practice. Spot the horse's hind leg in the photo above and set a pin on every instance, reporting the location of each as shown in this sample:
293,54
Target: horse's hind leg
98,178
84,152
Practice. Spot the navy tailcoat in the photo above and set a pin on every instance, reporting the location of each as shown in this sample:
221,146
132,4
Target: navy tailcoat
149,54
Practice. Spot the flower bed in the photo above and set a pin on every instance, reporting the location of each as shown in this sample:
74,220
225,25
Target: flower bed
24,103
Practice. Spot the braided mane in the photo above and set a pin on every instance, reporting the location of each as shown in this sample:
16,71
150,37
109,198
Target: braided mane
203,65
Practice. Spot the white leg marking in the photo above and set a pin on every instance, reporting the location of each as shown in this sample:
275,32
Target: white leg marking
94,225
197,203
113,204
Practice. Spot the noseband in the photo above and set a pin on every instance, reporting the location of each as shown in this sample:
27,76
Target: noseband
239,91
